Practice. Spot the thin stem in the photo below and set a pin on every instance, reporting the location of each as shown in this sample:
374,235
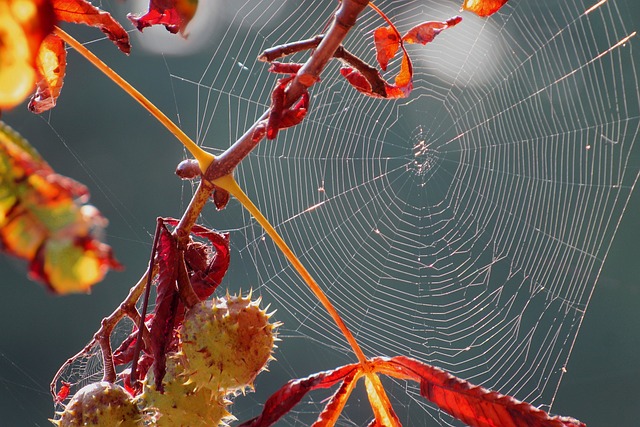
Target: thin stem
280,51
191,214
230,184
104,339
204,159
309,74
368,71
145,302
126,308
218,171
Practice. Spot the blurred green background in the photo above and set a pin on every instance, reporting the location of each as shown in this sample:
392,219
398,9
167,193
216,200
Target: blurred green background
98,136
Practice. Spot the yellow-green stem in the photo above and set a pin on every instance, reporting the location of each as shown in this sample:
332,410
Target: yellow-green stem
375,390
228,183
204,159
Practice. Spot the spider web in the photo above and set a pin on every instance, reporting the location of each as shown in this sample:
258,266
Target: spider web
465,226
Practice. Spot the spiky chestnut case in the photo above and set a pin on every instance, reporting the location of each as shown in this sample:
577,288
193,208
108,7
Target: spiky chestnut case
227,342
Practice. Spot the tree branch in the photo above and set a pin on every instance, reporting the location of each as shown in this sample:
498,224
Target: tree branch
343,20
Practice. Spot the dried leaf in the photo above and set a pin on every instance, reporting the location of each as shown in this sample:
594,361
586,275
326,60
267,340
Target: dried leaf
23,26
387,42
471,404
206,280
83,12
44,219
173,14
483,7
162,324
427,31
52,63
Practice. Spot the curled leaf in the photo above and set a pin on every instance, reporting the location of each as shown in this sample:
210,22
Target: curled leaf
52,63
369,81
362,83
44,219
173,14
83,12
483,7
427,31
404,80
387,42
365,83
23,26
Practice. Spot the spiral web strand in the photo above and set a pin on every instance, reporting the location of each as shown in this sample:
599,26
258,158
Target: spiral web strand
465,226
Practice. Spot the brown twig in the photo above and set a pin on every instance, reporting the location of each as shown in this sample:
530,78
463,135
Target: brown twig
369,72
126,308
280,51
343,20
191,214
145,302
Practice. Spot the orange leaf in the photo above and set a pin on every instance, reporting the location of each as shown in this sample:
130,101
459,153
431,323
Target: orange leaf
483,7
23,26
387,43
173,14
83,12
52,63
426,32
382,409
331,412
404,79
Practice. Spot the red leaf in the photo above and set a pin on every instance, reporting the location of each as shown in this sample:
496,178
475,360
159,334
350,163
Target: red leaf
404,79
161,326
173,14
473,405
426,32
207,274
205,281
387,43
125,352
483,7
83,12
283,400
358,81
51,63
